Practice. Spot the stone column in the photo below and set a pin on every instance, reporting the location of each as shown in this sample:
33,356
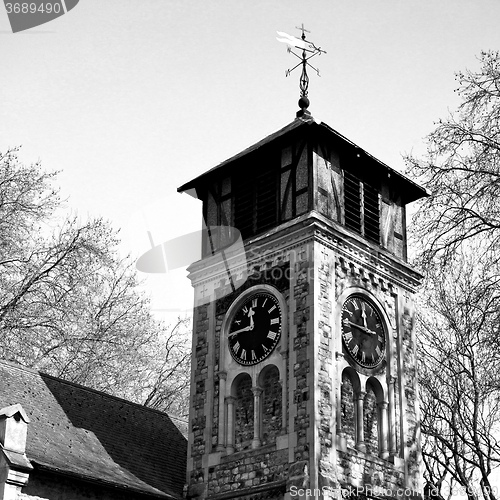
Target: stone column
338,410
340,431
392,419
230,425
221,442
383,437
257,420
360,429
284,395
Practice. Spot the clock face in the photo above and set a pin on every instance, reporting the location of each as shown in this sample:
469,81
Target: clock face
363,331
255,329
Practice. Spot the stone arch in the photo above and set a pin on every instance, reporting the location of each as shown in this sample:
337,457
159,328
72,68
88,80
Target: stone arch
377,388
371,420
241,391
349,389
271,403
375,418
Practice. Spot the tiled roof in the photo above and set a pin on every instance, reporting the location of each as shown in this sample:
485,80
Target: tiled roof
79,431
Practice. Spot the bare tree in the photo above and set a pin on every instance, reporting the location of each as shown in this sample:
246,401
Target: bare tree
70,305
168,386
457,235
459,376
462,168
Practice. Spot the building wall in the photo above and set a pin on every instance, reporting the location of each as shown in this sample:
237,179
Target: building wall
391,287
312,448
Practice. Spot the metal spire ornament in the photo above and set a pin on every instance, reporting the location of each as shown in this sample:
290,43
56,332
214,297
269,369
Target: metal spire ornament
309,50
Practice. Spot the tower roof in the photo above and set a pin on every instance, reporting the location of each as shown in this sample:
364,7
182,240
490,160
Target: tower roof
409,190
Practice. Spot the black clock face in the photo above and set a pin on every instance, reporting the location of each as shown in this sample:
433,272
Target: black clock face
255,329
363,331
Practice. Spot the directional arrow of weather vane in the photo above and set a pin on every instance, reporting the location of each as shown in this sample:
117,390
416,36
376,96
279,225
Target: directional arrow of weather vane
309,50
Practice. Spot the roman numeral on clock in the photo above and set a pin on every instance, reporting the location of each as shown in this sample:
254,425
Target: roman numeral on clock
378,351
272,309
271,335
236,347
253,355
355,349
254,303
348,336
274,321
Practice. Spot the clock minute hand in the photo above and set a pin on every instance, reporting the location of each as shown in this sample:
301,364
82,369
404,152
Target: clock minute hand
246,329
361,327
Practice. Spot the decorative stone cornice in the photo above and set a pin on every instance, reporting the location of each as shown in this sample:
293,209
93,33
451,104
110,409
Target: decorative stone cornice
368,261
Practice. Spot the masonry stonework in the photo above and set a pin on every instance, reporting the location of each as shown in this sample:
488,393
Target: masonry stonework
308,418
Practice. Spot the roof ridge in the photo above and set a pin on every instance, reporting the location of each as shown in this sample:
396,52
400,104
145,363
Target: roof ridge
295,123
19,366
81,386
97,391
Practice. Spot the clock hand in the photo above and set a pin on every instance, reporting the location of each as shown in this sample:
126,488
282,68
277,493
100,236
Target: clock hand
363,314
246,329
251,312
361,327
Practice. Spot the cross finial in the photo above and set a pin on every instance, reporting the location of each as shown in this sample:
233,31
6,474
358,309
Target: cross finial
304,31
309,50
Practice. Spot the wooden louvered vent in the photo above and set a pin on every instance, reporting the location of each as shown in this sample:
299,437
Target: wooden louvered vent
256,203
371,212
362,207
266,200
352,200
243,209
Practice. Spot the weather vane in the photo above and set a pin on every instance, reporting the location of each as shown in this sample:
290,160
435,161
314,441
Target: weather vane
309,50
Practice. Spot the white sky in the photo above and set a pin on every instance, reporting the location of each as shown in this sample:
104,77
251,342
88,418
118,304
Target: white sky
132,98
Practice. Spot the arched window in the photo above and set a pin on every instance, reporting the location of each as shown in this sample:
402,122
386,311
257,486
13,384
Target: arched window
348,421
370,421
271,404
375,409
244,413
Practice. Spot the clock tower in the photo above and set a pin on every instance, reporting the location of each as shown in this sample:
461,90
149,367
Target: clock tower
303,380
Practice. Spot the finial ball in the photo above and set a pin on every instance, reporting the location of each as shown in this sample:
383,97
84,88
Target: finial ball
303,103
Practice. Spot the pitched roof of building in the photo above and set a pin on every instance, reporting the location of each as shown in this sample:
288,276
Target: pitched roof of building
91,435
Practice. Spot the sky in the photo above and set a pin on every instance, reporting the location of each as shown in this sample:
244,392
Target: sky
130,99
